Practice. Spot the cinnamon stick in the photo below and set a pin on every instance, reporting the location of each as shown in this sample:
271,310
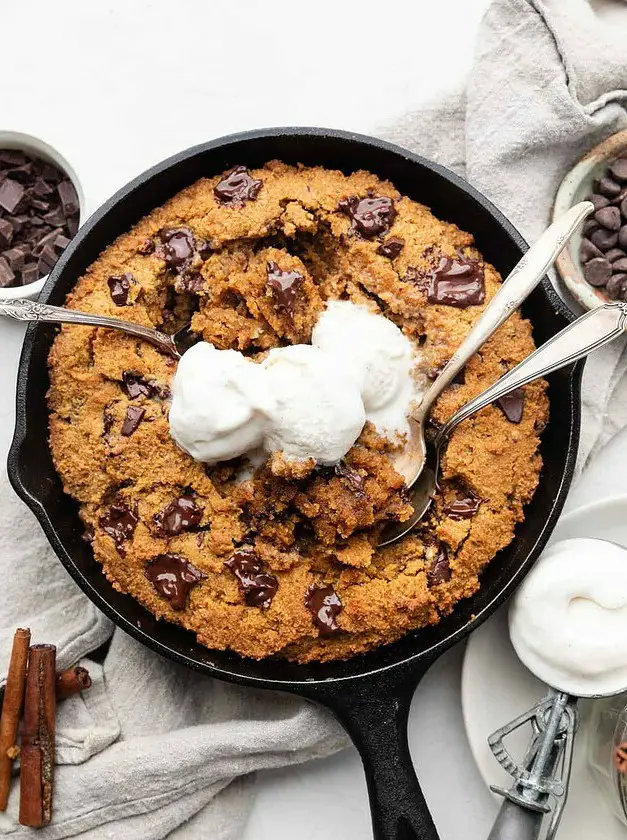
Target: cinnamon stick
11,709
72,681
37,751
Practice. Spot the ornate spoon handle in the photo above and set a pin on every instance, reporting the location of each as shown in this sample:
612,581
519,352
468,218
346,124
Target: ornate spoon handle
28,310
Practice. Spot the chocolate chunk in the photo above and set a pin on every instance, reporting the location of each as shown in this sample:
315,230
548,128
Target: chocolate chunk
147,247
88,534
177,247
7,275
173,577
608,217
599,201
622,237
440,569
119,287
136,385
40,205
204,249
48,255
181,515
457,283
237,188
72,225
54,218
354,479
617,287
463,508
134,416
613,254
391,248
61,242
119,523
618,169
23,174
617,265
258,587
6,233
15,257
606,186
18,222
371,216
11,194
588,251
597,271
29,274
604,239
12,157
325,605
42,188
512,405
69,199
284,286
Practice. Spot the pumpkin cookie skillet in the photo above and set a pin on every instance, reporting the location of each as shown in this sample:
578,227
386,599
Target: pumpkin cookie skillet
241,493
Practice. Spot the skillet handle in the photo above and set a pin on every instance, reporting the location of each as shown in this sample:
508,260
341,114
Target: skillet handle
375,712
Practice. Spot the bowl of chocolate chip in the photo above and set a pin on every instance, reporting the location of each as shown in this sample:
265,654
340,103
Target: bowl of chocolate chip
41,208
593,266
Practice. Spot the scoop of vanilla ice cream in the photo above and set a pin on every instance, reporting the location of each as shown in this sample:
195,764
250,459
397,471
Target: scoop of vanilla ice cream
221,404
568,621
319,412
377,354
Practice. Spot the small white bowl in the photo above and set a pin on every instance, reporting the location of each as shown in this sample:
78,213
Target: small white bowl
37,148
577,186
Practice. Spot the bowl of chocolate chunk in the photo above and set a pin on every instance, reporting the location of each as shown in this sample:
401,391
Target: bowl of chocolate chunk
593,266
41,208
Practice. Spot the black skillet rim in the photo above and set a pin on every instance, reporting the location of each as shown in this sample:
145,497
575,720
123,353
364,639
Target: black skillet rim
37,507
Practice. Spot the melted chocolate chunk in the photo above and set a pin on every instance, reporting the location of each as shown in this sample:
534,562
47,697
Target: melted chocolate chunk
119,287
136,386
457,283
177,248
324,604
89,533
371,216
259,588
173,577
463,508
134,416
391,248
512,405
204,249
237,188
440,571
284,286
354,479
147,247
119,523
181,515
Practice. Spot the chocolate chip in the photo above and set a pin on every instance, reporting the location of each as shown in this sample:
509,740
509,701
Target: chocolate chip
325,605
604,239
608,217
606,186
440,569
177,247
619,169
599,201
284,286
11,194
258,587
597,271
6,233
617,287
119,523
391,248
7,276
371,216
623,208
617,265
119,288
463,508
622,237
237,188
134,416
181,515
512,405
457,283
354,479
69,199
589,226
613,254
173,577
588,251
147,247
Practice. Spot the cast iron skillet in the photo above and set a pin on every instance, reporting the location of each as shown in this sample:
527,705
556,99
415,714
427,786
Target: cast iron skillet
369,694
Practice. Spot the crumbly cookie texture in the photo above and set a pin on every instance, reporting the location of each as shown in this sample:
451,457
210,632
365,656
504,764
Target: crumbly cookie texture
283,562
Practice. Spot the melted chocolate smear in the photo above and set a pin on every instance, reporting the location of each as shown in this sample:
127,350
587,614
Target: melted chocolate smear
237,188
371,216
134,416
177,248
324,604
284,286
258,587
463,508
440,571
391,248
119,523
119,287
354,479
173,577
181,515
456,283
136,385
512,405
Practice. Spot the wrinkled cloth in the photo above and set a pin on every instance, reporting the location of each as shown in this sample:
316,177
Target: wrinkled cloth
155,750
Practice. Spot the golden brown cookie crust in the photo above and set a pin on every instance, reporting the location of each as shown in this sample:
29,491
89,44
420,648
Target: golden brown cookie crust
305,527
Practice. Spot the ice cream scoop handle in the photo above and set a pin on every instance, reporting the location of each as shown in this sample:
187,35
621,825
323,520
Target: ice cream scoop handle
516,823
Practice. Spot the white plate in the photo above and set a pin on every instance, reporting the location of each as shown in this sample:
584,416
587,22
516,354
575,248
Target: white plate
496,688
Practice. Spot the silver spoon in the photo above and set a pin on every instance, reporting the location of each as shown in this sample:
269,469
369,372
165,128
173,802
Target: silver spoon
515,289
588,333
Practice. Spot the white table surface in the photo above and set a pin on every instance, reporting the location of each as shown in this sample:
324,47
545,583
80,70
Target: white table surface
128,83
